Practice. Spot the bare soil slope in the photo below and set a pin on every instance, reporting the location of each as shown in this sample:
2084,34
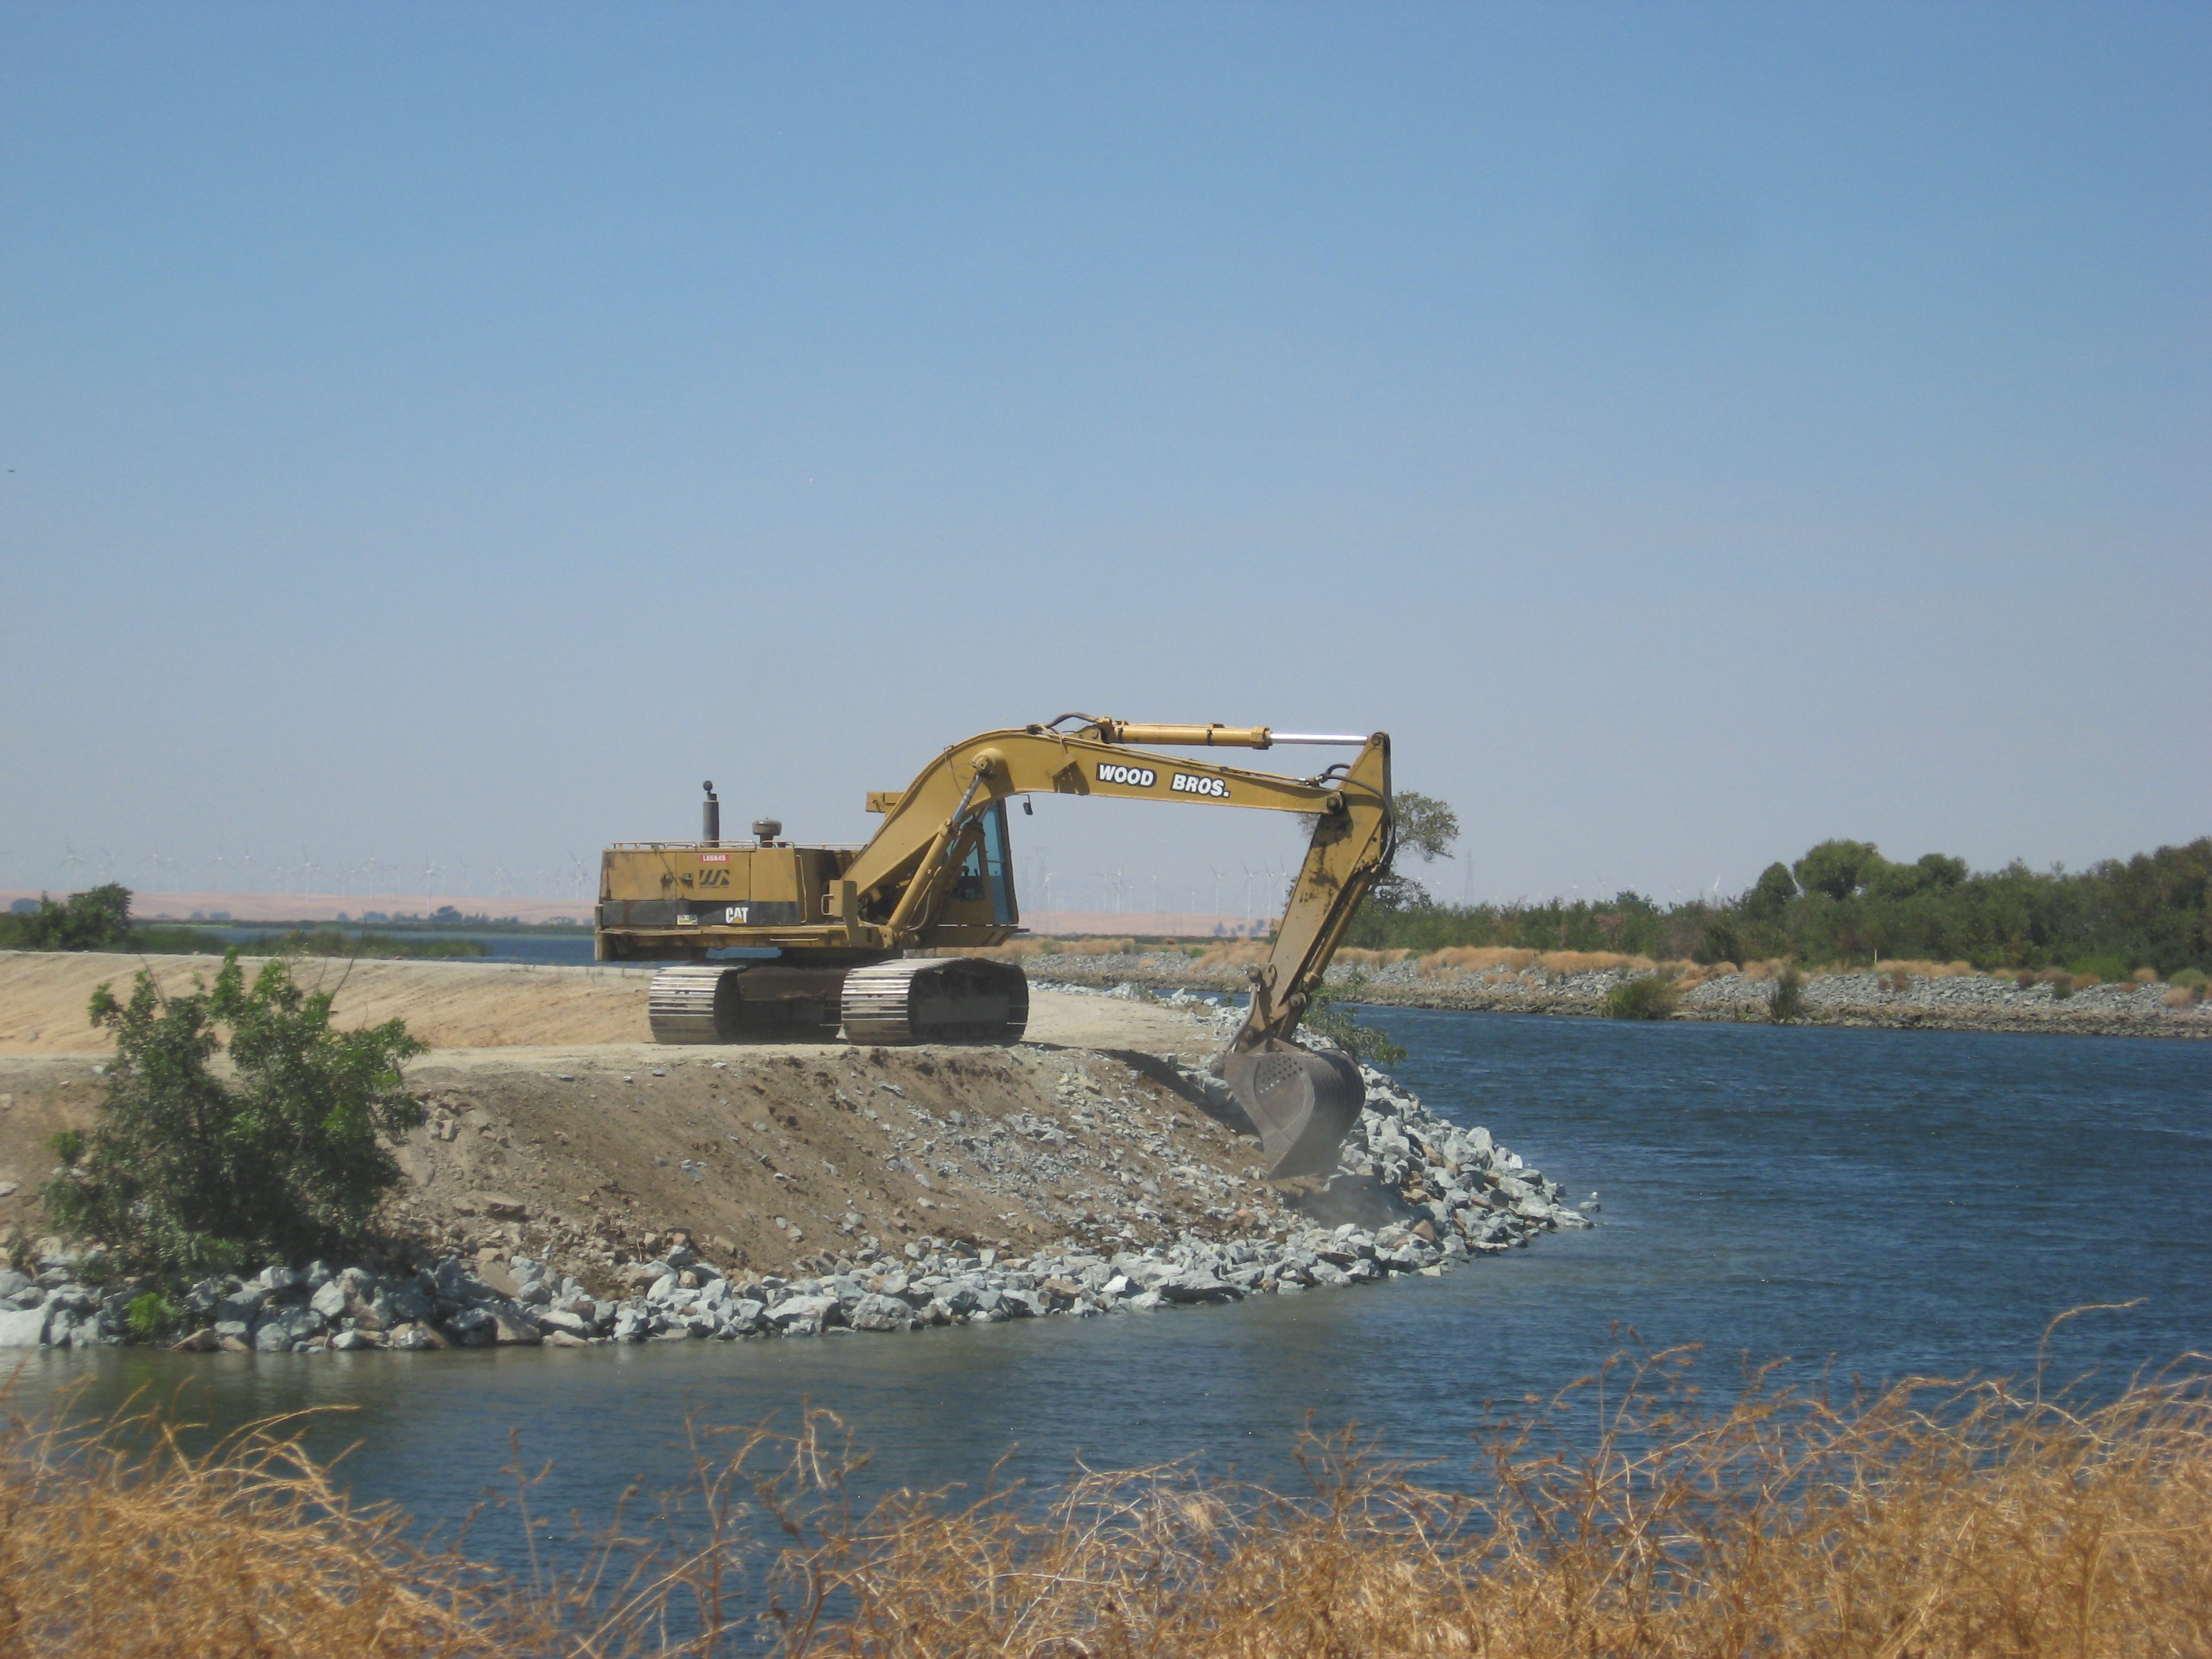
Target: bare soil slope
552,1134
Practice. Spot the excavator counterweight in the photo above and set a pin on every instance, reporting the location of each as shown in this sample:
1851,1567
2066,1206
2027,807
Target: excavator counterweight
775,942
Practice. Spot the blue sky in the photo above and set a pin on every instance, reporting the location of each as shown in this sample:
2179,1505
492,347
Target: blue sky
448,433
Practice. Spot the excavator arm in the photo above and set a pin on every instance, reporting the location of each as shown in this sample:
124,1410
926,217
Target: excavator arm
893,893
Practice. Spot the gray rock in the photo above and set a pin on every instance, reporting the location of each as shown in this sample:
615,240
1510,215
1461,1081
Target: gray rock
879,1313
630,1323
332,1299
473,1328
68,1330
411,1338
801,1314
513,1329
12,1283
403,1301
241,1305
560,1319
26,1328
345,1340
1195,1287
273,1338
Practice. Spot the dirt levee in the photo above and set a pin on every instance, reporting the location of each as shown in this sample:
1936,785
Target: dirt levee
553,1129
457,1005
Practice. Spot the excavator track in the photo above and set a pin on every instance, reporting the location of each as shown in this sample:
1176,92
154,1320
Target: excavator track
716,1002
681,1004
936,999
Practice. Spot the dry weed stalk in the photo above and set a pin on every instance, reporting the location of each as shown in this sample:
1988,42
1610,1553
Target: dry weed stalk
1933,1520
1930,1521
120,1542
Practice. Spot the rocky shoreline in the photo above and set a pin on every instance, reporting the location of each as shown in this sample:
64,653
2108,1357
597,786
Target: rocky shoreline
1890,997
1412,1195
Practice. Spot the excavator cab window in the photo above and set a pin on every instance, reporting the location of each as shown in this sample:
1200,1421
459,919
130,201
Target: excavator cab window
986,873
997,868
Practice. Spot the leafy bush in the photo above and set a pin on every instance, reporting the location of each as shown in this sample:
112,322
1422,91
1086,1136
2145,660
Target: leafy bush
185,1170
98,918
1327,1016
1787,1000
1648,996
152,1315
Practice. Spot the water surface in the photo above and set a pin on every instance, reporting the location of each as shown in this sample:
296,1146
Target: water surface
1875,1203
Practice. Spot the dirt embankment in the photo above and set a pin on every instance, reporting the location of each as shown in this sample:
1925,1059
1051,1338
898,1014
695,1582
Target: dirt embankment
555,1134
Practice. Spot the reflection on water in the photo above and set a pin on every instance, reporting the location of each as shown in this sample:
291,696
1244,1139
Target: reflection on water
1886,1202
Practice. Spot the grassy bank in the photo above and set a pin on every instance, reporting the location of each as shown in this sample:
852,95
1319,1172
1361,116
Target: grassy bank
1932,1520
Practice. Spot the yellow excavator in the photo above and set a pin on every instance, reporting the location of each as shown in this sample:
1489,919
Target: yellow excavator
776,942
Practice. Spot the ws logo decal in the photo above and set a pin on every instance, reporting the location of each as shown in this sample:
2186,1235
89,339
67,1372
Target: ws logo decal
1182,783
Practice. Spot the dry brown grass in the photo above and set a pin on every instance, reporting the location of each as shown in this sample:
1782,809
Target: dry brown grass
1933,1521
1357,958
1909,970
1473,959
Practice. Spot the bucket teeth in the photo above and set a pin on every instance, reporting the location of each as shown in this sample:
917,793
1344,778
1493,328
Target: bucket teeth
936,999
1301,1102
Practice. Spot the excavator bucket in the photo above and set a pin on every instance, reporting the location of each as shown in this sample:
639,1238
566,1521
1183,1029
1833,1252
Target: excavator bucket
1303,1103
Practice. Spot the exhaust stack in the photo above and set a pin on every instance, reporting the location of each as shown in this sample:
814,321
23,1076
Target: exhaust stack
710,817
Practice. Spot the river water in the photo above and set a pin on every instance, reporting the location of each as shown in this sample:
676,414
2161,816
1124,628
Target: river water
1875,1203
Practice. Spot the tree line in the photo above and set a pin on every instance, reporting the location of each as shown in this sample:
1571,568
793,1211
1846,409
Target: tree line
1842,901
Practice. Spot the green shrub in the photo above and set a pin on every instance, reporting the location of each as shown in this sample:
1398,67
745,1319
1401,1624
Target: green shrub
1648,996
152,1315
1723,941
184,1169
98,918
1787,1000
